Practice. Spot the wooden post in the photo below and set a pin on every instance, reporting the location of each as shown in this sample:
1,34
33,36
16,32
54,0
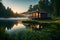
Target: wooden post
32,15
38,14
35,14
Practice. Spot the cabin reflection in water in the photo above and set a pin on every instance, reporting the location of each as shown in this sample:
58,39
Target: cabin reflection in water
35,26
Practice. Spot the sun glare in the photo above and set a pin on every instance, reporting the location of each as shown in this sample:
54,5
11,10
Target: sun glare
18,10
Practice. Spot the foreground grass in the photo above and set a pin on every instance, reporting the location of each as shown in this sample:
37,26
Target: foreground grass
49,33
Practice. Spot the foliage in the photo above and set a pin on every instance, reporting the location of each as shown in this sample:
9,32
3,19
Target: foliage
7,24
51,32
50,6
30,8
2,10
6,13
9,12
3,34
56,7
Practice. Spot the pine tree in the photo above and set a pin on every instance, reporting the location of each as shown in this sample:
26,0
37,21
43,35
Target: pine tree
30,8
43,5
56,7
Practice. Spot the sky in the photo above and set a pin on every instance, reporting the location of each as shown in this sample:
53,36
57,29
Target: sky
19,5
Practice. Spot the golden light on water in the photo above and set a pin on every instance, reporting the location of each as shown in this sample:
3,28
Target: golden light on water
18,25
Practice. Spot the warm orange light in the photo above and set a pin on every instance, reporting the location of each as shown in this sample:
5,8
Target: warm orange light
36,15
17,10
33,14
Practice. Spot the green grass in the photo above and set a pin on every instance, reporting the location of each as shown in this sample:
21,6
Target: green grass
42,21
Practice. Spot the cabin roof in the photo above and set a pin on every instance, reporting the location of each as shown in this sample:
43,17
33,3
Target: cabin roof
41,11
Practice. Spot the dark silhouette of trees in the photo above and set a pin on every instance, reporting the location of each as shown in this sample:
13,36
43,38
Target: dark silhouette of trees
50,6
56,7
30,8
5,12
43,5
35,7
9,12
2,10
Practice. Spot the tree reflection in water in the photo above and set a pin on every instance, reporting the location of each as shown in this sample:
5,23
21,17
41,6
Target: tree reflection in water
17,26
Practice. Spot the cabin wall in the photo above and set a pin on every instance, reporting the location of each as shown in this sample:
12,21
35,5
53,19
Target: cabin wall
38,15
44,15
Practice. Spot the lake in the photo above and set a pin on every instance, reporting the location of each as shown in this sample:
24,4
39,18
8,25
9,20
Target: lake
13,23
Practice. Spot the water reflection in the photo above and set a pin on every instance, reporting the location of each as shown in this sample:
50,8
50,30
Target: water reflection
12,25
35,26
7,23
19,25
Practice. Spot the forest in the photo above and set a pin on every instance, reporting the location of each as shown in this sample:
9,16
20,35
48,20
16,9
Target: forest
50,6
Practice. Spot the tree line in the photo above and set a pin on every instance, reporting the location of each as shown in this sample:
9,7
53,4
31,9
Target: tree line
50,6
7,12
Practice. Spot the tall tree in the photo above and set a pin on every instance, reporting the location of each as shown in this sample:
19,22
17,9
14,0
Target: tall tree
43,5
30,8
9,12
56,7
2,10
35,7
5,12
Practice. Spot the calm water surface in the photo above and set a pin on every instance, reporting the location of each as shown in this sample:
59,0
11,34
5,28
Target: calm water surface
13,23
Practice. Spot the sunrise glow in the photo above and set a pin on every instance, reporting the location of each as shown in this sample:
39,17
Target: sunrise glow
19,6
18,10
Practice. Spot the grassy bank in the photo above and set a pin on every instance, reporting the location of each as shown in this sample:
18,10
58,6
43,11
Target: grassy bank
43,21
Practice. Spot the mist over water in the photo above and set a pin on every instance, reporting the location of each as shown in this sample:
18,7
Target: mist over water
21,18
13,24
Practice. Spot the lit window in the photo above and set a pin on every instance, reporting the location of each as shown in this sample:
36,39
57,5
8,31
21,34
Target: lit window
36,15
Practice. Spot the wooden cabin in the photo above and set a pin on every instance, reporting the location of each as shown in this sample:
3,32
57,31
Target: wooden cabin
39,15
